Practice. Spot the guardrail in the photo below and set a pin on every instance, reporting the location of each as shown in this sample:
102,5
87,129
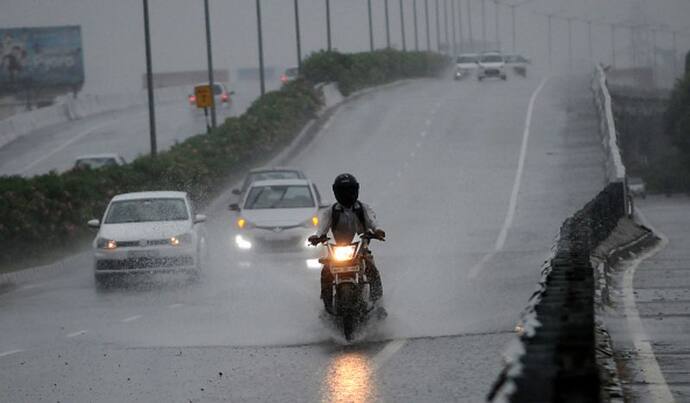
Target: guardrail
553,358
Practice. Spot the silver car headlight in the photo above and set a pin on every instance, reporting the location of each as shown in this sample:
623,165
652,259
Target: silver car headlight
179,240
103,243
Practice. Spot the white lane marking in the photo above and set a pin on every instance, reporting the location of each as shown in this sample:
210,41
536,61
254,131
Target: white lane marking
173,306
131,318
386,353
646,360
75,334
30,286
512,206
10,352
64,145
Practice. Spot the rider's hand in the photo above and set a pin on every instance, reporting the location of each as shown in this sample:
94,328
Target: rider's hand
314,240
381,234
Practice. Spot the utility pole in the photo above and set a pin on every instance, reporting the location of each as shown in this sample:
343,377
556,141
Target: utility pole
445,24
548,37
426,17
298,37
438,28
452,19
262,78
498,32
149,80
512,15
675,53
416,34
613,45
469,25
371,28
388,27
484,25
402,26
328,24
210,63
589,40
461,36
570,44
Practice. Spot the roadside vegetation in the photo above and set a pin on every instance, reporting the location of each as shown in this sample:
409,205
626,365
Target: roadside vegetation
48,213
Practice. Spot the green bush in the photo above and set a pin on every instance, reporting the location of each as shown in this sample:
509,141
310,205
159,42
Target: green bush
49,211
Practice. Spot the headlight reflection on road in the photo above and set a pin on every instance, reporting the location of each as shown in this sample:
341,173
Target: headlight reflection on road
349,379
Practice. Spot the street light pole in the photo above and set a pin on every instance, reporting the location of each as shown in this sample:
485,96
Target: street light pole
328,24
570,44
498,32
452,19
416,34
388,27
371,28
262,78
461,36
438,28
298,37
589,40
469,25
426,18
675,53
402,26
548,37
613,46
512,15
445,25
484,25
210,62
149,80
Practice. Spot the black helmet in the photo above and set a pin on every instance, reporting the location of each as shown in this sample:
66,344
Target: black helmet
346,189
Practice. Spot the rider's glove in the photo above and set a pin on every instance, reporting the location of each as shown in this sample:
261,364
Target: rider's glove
314,240
381,234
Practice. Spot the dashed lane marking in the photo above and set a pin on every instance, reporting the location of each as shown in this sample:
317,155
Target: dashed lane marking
131,319
512,206
10,352
75,334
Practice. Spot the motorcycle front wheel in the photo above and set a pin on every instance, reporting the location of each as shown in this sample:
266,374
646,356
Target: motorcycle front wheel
347,307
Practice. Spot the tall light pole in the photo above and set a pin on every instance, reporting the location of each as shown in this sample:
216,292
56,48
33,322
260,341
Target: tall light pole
548,37
452,19
570,44
388,26
675,53
512,16
328,25
469,25
498,32
426,18
402,26
371,28
484,25
445,24
438,28
149,81
613,45
461,36
416,34
259,28
210,61
589,40
298,37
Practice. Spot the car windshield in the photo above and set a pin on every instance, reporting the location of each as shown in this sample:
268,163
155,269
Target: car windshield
282,196
146,210
270,175
95,163
492,59
466,59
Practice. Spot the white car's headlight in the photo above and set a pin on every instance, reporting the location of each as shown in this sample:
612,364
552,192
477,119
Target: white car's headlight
103,243
184,239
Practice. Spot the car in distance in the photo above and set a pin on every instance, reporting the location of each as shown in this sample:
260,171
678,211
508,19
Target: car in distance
268,173
290,74
148,232
221,96
518,63
277,215
95,161
492,65
465,65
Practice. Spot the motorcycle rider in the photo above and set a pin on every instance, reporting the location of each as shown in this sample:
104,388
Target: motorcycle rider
344,219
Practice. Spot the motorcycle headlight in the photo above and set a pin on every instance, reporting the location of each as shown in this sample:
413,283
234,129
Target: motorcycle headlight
343,253
102,243
183,239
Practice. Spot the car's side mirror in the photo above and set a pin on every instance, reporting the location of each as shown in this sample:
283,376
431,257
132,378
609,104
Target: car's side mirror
95,224
236,192
199,218
234,207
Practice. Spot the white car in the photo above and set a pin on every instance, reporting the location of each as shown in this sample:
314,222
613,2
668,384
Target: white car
95,161
492,65
148,232
465,65
277,215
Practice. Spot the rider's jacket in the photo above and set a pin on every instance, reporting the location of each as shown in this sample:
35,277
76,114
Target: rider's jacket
348,222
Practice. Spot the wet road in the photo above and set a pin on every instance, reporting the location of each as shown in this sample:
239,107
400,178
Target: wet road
124,132
468,228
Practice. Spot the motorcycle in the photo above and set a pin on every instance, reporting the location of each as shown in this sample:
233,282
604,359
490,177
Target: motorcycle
350,286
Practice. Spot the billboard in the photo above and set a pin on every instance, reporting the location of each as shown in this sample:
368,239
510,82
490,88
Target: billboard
46,57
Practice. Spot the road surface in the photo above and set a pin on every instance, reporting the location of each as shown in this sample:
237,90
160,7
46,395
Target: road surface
468,227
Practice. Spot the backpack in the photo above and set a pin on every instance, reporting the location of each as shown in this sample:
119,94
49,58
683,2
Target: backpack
358,209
